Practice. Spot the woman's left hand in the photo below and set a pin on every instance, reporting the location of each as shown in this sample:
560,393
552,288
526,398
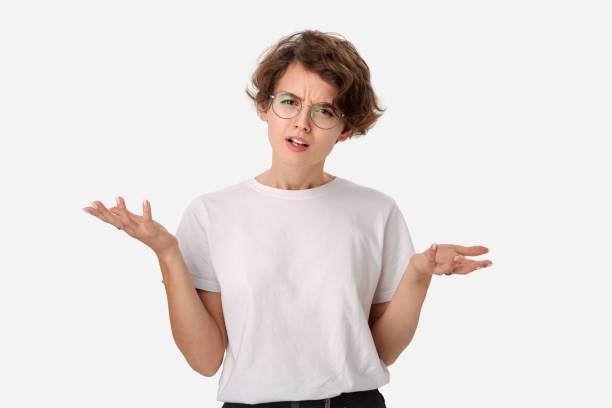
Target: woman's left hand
448,259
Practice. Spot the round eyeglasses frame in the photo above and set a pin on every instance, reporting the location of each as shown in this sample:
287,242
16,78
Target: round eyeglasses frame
339,114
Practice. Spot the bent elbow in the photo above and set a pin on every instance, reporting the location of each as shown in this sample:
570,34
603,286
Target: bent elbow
206,372
388,361
205,369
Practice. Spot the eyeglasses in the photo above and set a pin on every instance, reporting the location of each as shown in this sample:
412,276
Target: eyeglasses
287,105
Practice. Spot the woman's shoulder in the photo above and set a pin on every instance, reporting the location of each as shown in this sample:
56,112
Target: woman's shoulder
367,195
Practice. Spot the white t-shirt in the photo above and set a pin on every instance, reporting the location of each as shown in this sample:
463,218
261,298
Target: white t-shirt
298,271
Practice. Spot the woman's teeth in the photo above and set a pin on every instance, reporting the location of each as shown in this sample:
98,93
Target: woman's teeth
297,143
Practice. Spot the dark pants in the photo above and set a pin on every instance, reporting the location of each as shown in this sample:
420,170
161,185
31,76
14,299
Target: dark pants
358,399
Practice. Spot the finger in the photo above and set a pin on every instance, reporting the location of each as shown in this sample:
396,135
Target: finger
116,211
99,210
449,267
146,211
460,259
124,214
463,261
470,267
430,253
471,251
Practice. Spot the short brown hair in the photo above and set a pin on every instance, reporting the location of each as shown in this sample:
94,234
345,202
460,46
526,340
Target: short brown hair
332,57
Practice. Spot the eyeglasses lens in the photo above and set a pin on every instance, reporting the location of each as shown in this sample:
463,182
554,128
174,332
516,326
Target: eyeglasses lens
287,106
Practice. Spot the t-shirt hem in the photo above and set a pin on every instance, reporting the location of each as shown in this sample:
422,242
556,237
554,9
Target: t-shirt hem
205,284
384,296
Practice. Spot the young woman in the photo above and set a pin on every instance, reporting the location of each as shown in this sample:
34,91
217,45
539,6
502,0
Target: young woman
304,284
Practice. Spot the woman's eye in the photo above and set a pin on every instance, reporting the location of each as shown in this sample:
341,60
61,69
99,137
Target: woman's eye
326,112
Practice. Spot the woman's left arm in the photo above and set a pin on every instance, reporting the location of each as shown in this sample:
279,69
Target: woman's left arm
395,328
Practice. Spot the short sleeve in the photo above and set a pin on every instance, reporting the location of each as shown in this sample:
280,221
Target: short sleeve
397,251
193,243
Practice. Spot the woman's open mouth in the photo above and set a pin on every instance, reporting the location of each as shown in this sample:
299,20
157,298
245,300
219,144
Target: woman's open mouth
296,145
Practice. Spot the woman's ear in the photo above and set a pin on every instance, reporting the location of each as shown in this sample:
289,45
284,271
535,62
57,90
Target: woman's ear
344,135
262,112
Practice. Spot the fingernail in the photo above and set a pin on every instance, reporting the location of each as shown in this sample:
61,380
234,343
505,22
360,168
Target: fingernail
146,203
85,209
456,258
434,246
117,199
95,205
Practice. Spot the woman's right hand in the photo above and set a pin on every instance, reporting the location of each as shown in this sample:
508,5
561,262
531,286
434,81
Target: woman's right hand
143,228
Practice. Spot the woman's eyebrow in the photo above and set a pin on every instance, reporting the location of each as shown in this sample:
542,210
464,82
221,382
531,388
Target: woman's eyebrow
301,99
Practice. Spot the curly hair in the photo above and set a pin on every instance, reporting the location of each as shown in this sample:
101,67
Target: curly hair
336,60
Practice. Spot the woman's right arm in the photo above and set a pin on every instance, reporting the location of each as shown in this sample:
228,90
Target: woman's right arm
197,322
195,329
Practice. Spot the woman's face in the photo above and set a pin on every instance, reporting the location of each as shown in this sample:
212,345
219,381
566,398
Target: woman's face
311,89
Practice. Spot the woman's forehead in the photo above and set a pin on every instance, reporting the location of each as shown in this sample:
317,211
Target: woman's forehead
305,84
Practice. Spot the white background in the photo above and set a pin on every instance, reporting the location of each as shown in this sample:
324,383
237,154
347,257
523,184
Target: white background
496,133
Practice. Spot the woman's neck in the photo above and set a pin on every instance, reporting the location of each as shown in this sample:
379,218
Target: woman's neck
293,182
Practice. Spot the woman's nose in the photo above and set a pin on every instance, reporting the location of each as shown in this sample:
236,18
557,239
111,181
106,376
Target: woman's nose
302,120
